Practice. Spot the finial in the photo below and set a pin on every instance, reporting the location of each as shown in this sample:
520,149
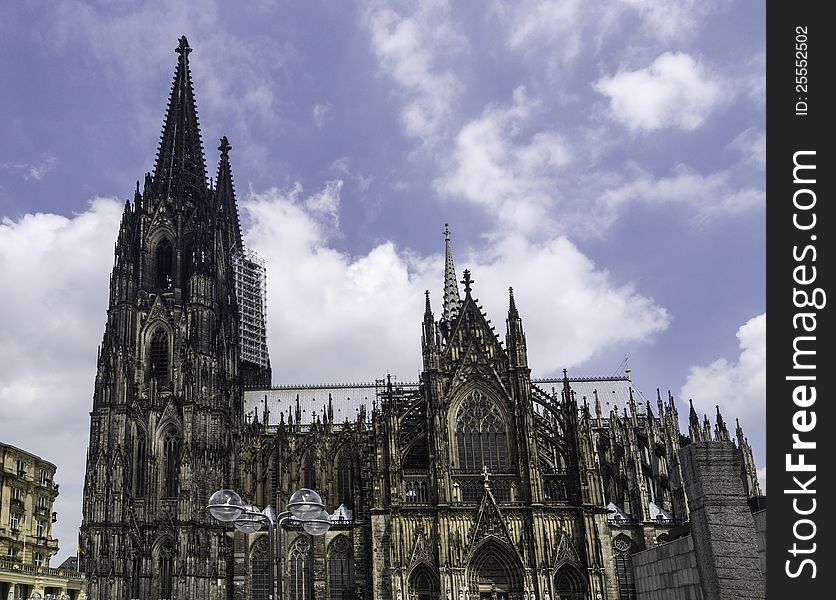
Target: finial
467,281
224,147
183,49
446,232
486,475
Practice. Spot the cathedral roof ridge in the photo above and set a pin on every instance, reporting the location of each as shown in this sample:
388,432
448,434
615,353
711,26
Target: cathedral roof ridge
327,386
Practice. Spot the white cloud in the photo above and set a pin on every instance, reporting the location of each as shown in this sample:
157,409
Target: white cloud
751,145
319,112
31,171
54,301
674,91
414,50
672,19
559,24
707,195
512,174
738,387
762,479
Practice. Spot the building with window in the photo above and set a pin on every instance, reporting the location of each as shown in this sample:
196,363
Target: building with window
27,493
477,480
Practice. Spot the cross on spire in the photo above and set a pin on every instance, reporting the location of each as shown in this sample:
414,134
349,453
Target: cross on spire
467,281
486,476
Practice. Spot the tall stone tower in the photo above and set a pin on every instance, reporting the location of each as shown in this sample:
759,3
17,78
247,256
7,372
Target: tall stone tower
167,402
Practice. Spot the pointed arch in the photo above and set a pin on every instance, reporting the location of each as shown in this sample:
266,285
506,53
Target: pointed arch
481,432
423,582
307,467
569,583
164,555
300,559
495,567
163,253
344,470
340,569
259,569
140,460
171,454
623,549
159,355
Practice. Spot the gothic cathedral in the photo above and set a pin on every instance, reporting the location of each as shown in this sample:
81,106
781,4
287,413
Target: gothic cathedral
474,482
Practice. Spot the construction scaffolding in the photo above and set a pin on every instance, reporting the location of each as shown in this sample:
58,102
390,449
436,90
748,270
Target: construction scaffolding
251,292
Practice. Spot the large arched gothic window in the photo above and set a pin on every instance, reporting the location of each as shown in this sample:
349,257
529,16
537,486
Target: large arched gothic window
481,434
171,450
140,455
340,570
165,570
158,357
345,491
259,573
163,265
301,571
623,548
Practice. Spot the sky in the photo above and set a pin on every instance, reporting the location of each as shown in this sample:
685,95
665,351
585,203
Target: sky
604,158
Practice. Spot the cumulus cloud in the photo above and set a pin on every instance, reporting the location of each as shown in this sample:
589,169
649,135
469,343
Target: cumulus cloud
54,299
737,386
674,91
414,50
500,166
751,145
672,19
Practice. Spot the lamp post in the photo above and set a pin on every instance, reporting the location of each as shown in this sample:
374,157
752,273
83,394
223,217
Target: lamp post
305,505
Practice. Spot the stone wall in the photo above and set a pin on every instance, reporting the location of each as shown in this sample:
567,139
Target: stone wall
722,527
760,537
668,572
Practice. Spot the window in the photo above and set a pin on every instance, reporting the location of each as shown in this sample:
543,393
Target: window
41,528
41,501
139,465
301,571
21,468
159,356
11,552
309,477
340,570
480,434
135,575
622,545
171,448
165,572
345,490
38,559
17,494
44,479
14,520
259,574
163,265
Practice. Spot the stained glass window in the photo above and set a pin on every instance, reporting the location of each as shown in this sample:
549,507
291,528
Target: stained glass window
481,434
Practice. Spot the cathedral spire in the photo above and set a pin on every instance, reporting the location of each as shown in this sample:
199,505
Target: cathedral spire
515,336
225,204
451,285
180,170
694,423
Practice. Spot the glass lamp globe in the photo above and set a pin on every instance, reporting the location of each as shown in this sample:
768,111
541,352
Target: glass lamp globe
305,504
225,505
249,521
318,525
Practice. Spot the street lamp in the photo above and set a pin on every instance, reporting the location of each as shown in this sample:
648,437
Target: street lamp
305,505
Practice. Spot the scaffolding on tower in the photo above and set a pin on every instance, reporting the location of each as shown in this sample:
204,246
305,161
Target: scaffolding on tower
251,293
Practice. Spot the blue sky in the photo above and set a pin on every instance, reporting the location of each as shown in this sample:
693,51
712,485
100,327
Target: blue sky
604,158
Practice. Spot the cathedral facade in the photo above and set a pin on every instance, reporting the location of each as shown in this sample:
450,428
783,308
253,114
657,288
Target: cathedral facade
475,481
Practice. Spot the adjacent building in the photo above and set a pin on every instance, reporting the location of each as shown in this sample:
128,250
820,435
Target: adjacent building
27,494
475,481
